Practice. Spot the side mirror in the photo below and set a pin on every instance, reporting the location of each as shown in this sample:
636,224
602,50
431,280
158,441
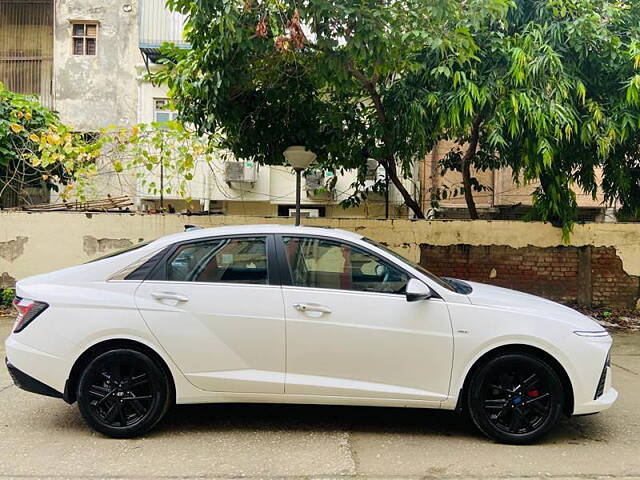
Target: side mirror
416,291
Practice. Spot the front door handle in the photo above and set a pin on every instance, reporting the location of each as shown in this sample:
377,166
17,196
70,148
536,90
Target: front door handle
311,307
169,296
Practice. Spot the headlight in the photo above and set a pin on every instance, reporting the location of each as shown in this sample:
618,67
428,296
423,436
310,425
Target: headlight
591,333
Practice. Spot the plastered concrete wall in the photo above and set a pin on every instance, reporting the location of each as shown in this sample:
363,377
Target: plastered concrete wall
94,91
32,243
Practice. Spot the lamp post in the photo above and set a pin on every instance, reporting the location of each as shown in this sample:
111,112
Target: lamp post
299,158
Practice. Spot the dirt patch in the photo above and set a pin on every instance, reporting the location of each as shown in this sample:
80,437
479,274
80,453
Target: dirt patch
613,318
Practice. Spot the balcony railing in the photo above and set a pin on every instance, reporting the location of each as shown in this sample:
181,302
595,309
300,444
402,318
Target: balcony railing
158,25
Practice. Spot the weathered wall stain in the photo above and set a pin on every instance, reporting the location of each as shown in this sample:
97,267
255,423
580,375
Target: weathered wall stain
6,280
93,245
13,249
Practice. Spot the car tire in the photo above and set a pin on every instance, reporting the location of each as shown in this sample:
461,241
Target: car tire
123,393
515,398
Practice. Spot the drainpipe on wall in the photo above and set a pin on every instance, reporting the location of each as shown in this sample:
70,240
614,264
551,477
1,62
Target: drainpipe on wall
139,79
493,188
434,176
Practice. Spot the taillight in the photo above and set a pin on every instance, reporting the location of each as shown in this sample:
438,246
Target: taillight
28,310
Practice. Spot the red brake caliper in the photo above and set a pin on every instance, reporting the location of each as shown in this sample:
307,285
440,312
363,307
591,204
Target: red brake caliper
533,393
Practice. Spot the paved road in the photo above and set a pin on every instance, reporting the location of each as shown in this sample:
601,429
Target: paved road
42,437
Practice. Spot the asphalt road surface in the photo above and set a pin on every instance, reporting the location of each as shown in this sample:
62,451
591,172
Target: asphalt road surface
45,438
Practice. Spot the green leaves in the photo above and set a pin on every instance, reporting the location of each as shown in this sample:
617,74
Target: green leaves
558,96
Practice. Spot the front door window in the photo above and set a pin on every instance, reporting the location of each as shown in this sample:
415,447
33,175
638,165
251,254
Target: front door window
320,263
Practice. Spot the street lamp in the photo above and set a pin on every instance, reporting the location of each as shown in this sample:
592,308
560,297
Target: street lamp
299,158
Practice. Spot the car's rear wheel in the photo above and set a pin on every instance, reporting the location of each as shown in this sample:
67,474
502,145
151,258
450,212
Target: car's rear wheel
123,393
515,398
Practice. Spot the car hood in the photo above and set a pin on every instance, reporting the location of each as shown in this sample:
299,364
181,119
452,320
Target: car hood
524,303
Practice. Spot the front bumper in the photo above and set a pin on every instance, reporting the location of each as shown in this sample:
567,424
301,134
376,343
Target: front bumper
602,401
30,384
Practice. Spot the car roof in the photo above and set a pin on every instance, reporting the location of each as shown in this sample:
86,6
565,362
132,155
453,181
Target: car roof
195,233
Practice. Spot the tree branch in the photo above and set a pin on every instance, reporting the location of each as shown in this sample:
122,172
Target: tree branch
388,161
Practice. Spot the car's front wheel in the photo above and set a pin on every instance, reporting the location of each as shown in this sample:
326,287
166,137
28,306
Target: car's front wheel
515,398
123,393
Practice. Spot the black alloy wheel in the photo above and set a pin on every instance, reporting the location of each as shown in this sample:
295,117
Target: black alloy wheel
515,398
123,393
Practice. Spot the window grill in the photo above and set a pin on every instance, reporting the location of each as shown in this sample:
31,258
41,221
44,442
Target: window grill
26,48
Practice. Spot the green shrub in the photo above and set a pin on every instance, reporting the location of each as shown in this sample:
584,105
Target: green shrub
6,297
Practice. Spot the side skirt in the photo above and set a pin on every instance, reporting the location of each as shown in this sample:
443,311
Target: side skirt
224,397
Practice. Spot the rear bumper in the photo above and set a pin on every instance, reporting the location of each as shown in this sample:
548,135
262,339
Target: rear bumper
44,367
30,384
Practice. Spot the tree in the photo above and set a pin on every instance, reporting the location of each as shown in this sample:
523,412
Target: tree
553,93
328,74
36,148
161,157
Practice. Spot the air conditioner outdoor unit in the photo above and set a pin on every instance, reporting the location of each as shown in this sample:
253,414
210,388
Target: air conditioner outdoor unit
320,184
314,181
372,170
240,172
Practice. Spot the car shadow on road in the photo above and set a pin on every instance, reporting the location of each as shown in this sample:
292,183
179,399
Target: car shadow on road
405,421
314,417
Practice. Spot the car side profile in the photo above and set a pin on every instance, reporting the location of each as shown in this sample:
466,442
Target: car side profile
284,314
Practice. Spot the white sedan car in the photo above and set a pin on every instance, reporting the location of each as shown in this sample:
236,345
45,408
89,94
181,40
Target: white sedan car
299,315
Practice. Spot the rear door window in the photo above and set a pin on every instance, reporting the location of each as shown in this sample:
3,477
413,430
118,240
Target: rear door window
224,260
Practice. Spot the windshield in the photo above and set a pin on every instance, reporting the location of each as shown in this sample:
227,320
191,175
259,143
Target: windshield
440,281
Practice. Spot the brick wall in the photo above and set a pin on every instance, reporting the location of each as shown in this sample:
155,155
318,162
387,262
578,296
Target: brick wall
586,275
610,284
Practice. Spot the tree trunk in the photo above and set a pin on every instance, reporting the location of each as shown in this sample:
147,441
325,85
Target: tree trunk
465,166
392,171
468,193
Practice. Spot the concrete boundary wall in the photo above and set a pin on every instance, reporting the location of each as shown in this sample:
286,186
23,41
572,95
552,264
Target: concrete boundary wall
32,243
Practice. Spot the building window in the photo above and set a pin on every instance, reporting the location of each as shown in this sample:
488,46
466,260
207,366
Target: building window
84,37
162,112
305,211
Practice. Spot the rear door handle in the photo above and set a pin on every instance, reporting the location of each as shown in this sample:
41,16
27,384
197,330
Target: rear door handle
169,296
311,307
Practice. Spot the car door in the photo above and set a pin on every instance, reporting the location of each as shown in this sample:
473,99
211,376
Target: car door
216,307
351,331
